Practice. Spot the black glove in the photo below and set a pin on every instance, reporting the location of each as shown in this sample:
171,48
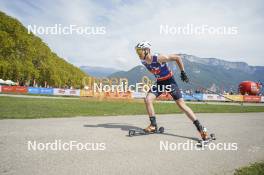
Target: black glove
184,77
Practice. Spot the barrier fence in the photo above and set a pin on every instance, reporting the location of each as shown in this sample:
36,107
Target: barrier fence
126,95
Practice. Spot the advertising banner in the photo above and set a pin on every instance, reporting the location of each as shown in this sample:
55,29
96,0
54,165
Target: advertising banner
252,98
213,97
33,90
262,99
8,89
46,91
198,97
188,97
14,89
74,92
0,88
234,97
21,89
67,92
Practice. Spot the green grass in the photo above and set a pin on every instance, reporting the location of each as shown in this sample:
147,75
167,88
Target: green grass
253,169
12,107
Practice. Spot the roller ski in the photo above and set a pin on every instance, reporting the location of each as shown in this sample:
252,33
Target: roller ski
205,141
149,130
204,134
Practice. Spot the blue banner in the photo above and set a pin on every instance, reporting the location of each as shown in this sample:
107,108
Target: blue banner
187,97
198,97
46,91
33,90
193,97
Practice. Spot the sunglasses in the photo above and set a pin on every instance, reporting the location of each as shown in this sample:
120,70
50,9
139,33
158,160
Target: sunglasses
139,51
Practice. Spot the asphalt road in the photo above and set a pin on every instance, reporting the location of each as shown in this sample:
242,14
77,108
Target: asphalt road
110,151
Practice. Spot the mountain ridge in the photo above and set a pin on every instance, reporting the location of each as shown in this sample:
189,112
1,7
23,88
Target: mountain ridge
206,72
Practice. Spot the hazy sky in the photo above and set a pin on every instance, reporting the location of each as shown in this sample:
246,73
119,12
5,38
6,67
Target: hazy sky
129,21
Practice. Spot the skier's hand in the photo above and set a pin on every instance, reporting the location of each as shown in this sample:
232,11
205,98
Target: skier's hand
184,77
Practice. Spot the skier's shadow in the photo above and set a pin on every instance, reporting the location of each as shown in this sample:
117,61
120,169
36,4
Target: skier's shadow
123,127
126,127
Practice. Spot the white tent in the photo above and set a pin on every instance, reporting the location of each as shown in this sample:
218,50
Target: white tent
2,81
7,82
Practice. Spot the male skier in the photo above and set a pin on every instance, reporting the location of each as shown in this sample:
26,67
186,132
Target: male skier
157,65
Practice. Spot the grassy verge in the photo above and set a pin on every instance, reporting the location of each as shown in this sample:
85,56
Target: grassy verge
253,169
13,107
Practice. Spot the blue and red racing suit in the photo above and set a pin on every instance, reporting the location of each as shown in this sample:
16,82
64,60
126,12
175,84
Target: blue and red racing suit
164,77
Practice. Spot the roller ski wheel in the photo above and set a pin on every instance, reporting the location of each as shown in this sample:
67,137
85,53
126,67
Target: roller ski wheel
211,138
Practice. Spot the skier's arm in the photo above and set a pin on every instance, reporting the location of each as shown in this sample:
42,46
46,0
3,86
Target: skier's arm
177,58
172,57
